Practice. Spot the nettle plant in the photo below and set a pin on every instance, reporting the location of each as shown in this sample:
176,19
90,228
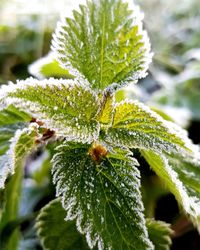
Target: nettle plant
94,141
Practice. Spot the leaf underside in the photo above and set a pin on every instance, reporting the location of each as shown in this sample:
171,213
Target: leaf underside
104,198
104,41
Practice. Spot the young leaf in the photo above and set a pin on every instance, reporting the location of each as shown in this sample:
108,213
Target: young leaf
159,234
102,194
64,106
55,233
182,178
136,126
105,42
47,67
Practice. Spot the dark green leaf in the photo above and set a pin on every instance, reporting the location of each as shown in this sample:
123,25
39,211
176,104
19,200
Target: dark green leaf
103,195
55,233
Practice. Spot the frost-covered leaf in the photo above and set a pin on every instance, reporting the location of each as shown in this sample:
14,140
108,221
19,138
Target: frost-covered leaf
159,234
181,176
47,67
20,145
23,143
55,233
103,195
105,42
64,106
136,126
11,119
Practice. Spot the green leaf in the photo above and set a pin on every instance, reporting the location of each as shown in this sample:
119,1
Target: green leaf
105,42
12,115
159,234
67,107
11,119
48,67
22,144
103,195
55,233
136,126
6,133
181,176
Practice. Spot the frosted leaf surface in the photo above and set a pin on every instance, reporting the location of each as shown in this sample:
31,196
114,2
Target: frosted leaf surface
55,233
136,126
64,106
20,146
105,42
181,176
159,234
103,197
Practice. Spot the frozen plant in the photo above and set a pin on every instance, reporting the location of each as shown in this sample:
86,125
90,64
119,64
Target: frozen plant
94,139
